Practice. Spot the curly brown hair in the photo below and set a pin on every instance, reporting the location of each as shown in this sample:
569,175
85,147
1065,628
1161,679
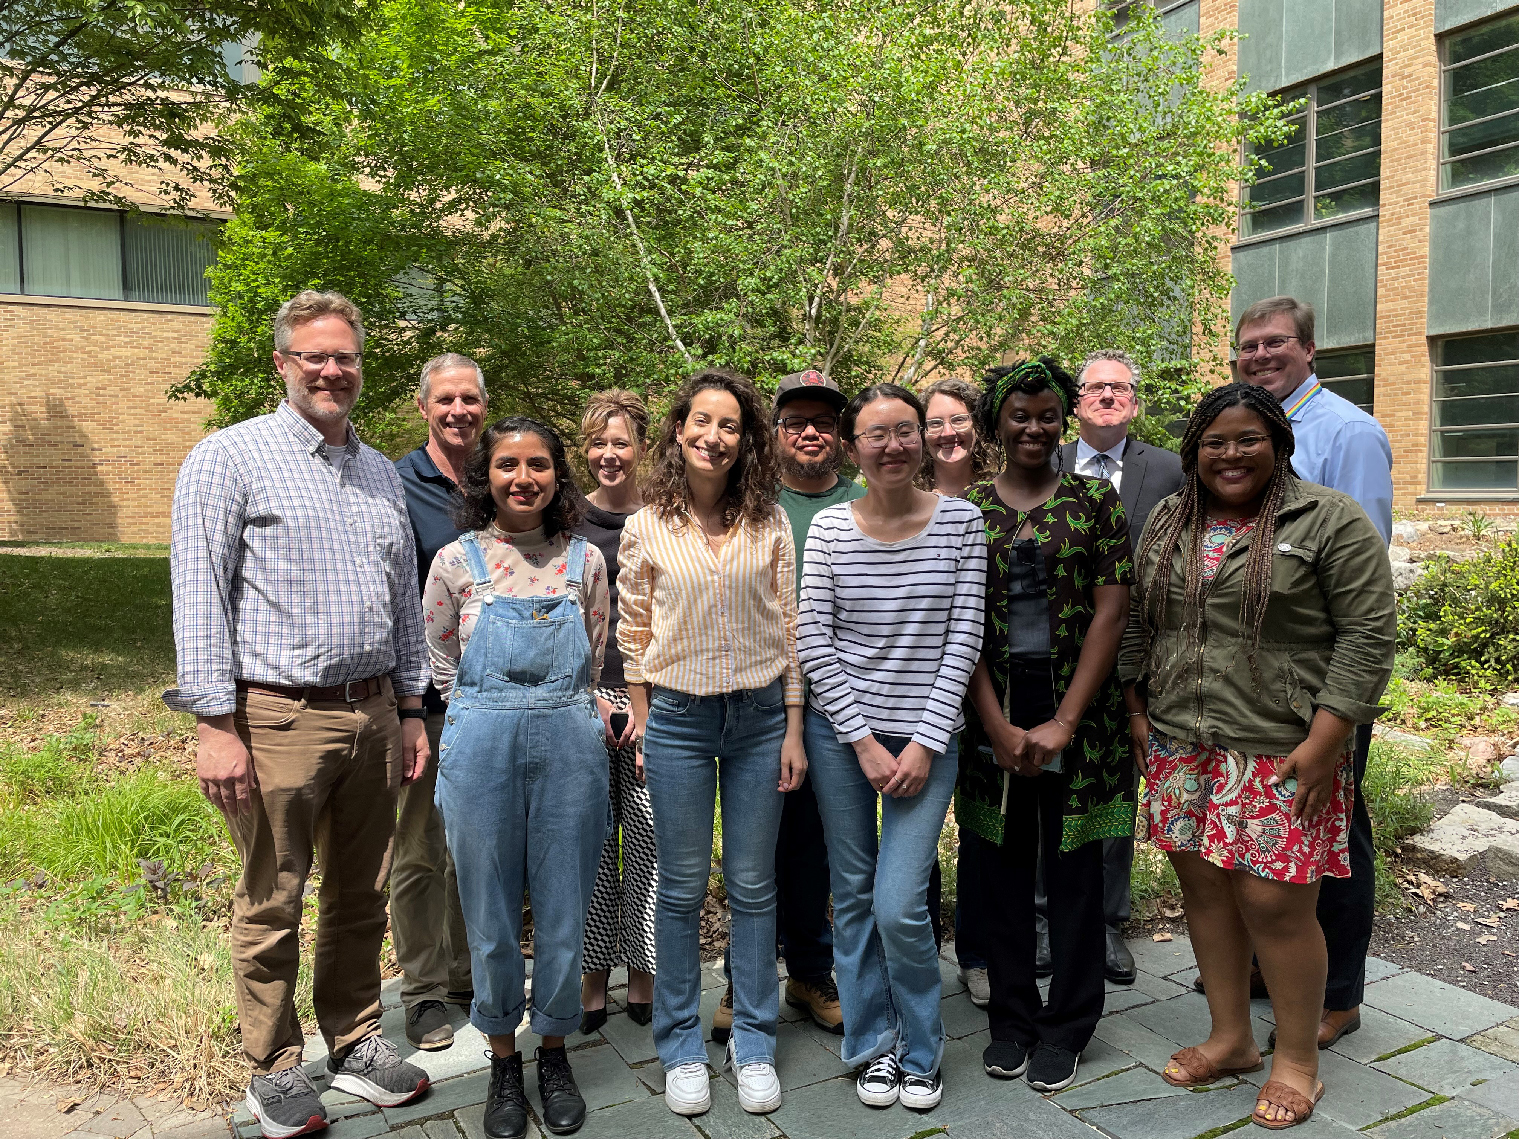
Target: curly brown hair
751,491
983,454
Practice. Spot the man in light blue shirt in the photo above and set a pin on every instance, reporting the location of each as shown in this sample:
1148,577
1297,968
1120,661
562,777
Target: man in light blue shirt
1339,446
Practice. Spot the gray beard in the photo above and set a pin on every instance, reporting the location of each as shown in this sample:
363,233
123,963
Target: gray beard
818,468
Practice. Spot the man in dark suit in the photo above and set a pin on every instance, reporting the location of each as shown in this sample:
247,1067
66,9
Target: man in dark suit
1108,383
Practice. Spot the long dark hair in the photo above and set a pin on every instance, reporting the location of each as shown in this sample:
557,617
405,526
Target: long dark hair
1030,377
751,494
1189,517
983,454
475,508
869,396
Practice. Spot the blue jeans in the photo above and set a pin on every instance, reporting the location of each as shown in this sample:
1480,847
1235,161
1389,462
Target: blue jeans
687,741
883,941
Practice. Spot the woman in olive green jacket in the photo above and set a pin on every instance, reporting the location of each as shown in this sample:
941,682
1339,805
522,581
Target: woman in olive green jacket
1262,631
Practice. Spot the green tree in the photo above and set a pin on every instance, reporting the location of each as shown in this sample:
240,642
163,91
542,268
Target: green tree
88,87
581,195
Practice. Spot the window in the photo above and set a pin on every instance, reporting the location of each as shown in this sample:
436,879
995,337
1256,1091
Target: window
1479,108
1350,374
1331,164
1474,420
1120,9
68,251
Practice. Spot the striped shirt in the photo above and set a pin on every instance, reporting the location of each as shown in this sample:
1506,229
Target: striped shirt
286,571
704,623
889,632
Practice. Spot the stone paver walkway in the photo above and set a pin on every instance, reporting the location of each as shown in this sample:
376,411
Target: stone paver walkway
1430,1061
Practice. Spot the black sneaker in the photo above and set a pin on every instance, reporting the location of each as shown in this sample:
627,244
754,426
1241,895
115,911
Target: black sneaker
427,1026
881,1081
372,1069
921,1093
1005,1059
563,1105
506,1101
1052,1068
286,1103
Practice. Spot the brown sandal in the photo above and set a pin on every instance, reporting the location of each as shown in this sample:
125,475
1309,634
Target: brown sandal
1278,1094
1201,1071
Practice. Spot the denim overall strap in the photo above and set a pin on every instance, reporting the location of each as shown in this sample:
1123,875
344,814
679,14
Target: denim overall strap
471,544
574,566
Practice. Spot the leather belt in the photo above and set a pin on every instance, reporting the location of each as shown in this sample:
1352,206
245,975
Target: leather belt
352,693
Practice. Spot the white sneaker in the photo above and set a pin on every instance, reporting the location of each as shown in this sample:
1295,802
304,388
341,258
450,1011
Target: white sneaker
980,987
687,1091
759,1088
878,1084
921,1093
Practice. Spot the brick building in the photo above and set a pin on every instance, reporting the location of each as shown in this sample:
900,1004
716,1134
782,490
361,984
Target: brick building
1394,208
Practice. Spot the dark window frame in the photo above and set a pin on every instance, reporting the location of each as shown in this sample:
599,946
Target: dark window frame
1433,461
1309,118
1331,383
1443,164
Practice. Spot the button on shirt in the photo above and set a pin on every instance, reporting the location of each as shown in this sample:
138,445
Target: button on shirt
1339,446
288,572
704,623
1101,464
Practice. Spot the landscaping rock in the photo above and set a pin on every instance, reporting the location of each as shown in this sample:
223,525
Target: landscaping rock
1404,574
1508,770
1396,553
1505,803
1480,748
1511,699
1405,532
1404,739
1456,842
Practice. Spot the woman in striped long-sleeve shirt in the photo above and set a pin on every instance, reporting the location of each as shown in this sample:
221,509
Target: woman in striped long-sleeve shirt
889,634
707,629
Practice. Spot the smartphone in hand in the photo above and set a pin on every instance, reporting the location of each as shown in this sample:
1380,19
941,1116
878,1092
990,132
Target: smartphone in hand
619,722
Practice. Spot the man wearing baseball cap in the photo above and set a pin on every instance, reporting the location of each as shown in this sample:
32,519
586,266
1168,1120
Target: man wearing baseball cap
807,408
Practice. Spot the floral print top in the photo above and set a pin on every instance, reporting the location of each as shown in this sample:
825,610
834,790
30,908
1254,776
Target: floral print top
1084,536
1218,537
521,565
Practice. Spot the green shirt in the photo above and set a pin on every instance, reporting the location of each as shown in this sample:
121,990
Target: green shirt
801,508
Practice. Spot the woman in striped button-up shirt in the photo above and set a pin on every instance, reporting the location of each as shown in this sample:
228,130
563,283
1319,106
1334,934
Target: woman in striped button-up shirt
707,629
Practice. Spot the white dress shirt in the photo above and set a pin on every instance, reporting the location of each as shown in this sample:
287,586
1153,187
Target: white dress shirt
1110,465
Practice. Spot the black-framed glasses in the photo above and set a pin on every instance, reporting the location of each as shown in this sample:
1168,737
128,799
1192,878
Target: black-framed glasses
1270,344
907,434
956,423
345,360
822,424
1248,445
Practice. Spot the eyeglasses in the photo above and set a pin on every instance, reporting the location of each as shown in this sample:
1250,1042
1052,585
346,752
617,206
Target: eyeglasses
1270,344
956,423
1248,445
822,424
907,434
1095,388
318,360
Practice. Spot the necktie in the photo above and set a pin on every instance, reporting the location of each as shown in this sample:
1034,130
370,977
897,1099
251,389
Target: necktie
1102,466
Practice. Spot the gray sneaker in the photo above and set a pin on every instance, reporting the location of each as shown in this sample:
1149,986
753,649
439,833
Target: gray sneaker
374,1070
978,985
286,1103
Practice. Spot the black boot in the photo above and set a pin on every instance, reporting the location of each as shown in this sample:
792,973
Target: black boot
506,1102
563,1105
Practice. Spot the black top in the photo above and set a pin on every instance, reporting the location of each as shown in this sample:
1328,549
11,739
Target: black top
429,495
604,530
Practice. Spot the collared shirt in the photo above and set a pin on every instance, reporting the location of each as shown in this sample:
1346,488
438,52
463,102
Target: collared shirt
429,497
1339,446
287,572
1111,467
520,565
704,623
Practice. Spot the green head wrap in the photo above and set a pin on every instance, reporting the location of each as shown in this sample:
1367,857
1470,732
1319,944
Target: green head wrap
1029,370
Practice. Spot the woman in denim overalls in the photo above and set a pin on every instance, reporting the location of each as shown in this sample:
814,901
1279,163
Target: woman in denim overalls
522,770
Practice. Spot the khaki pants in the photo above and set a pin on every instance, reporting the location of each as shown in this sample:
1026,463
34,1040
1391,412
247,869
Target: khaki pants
426,923
328,775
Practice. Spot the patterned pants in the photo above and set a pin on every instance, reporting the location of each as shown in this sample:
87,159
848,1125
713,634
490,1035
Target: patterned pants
619,927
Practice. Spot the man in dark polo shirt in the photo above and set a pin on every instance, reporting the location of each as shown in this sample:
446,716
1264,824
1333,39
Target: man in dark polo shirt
427,927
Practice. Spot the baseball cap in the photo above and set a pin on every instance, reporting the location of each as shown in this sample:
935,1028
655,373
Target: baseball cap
810,384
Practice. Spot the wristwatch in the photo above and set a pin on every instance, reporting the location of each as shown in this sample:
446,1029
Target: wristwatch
412,713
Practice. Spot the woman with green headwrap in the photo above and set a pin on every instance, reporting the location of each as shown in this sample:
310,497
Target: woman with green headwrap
1045,758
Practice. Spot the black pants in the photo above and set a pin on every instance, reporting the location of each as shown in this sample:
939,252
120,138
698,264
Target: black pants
1077,942
802,887
1347,906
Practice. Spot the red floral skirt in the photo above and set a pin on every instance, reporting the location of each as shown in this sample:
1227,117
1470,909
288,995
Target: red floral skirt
1217,803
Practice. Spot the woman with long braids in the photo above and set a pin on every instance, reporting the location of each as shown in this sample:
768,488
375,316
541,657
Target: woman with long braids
707,628
1045,759
1262,631
516,618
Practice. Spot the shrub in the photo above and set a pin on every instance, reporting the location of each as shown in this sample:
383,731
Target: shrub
1461,619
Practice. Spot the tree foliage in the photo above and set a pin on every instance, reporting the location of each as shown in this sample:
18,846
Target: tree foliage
584,194
89,87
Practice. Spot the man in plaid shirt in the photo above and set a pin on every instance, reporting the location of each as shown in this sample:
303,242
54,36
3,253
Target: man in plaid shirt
301,655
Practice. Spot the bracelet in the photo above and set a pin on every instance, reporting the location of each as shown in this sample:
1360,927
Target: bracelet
1133,714
412,713
1062,723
